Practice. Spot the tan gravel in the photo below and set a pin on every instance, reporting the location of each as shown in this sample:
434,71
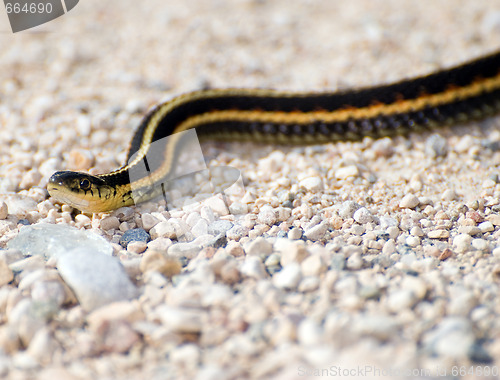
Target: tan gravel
381,255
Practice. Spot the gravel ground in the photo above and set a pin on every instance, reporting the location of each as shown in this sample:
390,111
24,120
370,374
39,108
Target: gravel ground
351,260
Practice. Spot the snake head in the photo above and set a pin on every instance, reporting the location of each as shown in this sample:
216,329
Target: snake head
82,191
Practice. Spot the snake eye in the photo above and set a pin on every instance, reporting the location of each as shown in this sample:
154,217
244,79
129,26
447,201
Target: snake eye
85,184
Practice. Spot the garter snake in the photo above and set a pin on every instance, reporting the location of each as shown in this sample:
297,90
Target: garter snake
466,92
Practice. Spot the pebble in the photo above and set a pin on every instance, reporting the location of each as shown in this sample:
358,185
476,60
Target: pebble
347,209
160,244
346,172
187,250
494,219
171,229
235,249
289,277
260,247
217,205
4,210
416,231
149,221
267,216
452,338
480,244
26,318
436,146
486,227
313,265
238,208
110,223
53,240
219,227
362,216
309,284
237,232
117,337
462,242
309,333
469,230
295,233
355,261
6,274
186,356
43,346
117,311
200,227
181,320
313,184
409,201
253,267
413,241
317,232
389,247
96,279
438,234
449,195
134,235
378,326
401,299
291,251
137,247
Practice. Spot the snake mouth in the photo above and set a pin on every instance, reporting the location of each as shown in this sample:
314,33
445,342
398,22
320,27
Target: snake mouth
63,195
63,187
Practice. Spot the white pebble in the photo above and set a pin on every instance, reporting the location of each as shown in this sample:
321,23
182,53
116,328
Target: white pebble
346,172
267,216
96,279
295,233
401,299
182,320
217,205
462,242
238,208
253,267
200,228
363,216
149,221
317,232
313,184
412,241
389,247
289,277
347,209
309,332
291,250
449,195
313,266
409,201
486,227
259,247
480,244
416,231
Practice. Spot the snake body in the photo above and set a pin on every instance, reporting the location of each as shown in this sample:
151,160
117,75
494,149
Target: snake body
469,91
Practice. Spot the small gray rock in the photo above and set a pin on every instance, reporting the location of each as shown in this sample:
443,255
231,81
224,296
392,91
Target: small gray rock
136,234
